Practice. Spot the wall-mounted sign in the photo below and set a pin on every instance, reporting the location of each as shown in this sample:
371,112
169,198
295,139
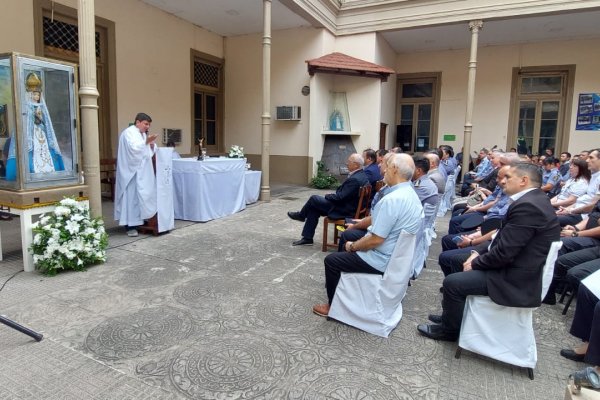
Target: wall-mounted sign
449,138
588,112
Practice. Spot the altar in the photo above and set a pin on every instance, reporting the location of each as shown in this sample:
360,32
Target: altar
209,189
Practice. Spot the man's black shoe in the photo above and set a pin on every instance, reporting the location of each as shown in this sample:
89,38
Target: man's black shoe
436,319
295,215
302,242
571,355
436,332
550,298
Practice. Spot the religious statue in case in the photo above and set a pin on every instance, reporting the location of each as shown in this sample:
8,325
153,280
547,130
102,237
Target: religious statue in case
39,146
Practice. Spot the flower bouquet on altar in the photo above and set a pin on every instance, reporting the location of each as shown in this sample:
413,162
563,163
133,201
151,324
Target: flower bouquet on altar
68,238
236,151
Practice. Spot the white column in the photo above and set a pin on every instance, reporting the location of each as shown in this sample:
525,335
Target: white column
88,102
474,27
265,189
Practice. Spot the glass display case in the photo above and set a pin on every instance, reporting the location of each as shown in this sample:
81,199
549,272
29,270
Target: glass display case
38,124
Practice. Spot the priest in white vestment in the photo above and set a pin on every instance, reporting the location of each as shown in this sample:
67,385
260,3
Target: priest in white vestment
135,198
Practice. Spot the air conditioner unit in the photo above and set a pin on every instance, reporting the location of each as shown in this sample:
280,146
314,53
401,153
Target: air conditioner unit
288,113
171,135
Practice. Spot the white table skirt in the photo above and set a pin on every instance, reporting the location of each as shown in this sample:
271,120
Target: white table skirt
252,186
209,189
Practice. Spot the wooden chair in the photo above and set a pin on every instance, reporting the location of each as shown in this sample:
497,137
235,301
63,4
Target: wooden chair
378,185
108,176
361,212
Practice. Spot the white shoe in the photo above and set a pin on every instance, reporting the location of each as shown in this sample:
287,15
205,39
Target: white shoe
132,232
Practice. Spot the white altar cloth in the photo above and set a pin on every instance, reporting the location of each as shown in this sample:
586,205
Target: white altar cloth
209,189
252,186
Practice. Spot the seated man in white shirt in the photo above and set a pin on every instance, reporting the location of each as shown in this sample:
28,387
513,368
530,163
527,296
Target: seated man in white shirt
399,210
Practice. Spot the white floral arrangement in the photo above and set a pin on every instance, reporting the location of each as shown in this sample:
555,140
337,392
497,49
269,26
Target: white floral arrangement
68,238
236,151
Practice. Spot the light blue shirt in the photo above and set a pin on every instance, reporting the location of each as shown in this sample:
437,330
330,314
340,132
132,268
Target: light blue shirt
552,176
397,211
484,168
426,190
449,165
500,208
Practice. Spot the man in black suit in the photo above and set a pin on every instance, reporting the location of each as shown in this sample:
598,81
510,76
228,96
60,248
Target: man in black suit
510,273
342,203
371,168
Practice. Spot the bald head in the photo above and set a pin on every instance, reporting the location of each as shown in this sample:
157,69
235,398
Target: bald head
434,160
401,165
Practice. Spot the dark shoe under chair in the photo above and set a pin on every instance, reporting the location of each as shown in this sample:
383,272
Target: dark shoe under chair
435,318
296,216
436,332
571,355
302,242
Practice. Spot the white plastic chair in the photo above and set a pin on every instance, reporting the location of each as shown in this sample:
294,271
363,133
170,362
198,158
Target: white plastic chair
424,238
449,193
373,303
504,333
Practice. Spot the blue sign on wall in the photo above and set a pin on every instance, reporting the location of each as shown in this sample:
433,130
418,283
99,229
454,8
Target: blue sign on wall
588,112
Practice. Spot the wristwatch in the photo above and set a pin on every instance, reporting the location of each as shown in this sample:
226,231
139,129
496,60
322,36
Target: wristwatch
574,234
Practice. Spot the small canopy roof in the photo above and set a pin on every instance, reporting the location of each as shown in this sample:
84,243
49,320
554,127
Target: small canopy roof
342,64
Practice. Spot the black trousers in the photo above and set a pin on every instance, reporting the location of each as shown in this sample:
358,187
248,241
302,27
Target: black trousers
577,265
350,235
315,207
336,263
586,324
451,261
456,289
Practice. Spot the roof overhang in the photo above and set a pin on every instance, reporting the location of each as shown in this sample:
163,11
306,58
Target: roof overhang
342,64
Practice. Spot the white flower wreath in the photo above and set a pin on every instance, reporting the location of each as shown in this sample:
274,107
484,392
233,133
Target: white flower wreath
68,238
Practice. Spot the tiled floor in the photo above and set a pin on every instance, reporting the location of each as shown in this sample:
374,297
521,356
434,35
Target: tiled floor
222,310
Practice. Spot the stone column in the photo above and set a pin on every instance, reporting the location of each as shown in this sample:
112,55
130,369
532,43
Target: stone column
88,102
474,27
265,189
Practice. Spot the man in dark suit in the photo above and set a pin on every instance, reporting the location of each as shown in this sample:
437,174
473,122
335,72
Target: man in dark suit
342,203
371,168
510,273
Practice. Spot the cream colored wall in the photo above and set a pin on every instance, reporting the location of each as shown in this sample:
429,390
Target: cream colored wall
493,84
360,46
152,57
153,64
16,27
364,108
320,87
386,56
243,98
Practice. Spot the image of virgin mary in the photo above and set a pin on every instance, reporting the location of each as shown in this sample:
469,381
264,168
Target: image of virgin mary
42,146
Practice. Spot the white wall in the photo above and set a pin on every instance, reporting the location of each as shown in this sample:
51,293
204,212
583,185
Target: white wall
289,73
493,84
152,58
386,56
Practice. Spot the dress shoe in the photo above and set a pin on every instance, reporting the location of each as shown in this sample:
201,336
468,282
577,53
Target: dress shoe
571,355
132,232
296,216
550,298
302,242
435,318
436,332
321,309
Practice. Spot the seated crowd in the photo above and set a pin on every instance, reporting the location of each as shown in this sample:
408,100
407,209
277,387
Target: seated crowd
499,235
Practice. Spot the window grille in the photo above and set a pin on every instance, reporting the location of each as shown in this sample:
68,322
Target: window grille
206,74
64,36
